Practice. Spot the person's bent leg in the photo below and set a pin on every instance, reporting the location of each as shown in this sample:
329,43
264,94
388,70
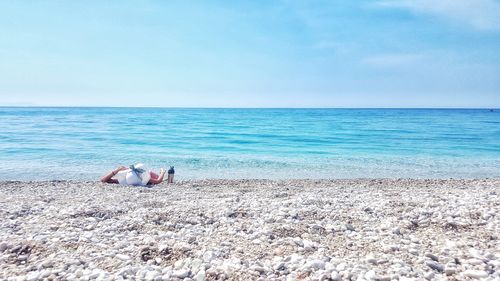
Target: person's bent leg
157,179
108,178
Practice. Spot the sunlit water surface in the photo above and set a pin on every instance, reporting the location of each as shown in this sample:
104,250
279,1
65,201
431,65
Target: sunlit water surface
83,143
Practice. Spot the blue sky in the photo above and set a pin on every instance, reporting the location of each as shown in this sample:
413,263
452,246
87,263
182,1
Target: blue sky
378,53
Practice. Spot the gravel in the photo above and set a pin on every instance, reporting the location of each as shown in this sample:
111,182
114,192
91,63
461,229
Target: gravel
362,229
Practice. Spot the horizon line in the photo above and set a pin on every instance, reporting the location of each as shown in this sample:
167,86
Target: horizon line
216,107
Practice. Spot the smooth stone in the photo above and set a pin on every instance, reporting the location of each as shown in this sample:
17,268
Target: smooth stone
476,274
475,262
45,273
432,256
59,270
151,275
371,259
178,264
257,268
329,267
3,246
413,251
315,264
79,273
196,264
494,263
341,266
200,276
32,276
208,256
435,265
279,266
182,273
349,227
429,275
298,242
122,257
370,275
335,276
450,270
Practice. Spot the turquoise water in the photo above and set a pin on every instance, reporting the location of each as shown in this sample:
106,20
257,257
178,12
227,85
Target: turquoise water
82,143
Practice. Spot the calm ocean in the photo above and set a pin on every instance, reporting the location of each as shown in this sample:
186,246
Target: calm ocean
83,143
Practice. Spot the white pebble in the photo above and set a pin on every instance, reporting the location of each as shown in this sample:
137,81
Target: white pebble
182,273
200,276
429,275
315,264
32,276
477,274
335,276
122,257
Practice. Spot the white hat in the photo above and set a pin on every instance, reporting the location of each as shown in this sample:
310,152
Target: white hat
136,175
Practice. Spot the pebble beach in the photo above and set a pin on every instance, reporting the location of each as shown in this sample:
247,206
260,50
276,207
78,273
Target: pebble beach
364,229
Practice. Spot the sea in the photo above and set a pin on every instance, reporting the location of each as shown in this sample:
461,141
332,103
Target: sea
83,143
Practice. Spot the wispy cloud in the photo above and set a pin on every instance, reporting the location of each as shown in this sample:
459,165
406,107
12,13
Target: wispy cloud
481,14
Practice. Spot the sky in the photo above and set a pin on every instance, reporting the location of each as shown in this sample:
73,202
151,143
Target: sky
262,53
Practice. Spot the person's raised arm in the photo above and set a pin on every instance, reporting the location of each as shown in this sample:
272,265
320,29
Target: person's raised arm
108,178
159,179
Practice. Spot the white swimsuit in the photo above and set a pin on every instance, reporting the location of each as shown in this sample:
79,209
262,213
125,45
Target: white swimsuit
128,177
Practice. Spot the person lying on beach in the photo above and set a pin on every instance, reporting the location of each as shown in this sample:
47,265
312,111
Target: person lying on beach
136,175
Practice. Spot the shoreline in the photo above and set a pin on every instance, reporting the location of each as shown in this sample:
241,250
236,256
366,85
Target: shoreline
259,180
359,229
